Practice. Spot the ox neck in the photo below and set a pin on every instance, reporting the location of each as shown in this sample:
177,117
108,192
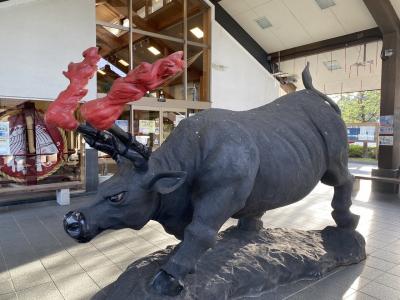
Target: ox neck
173,212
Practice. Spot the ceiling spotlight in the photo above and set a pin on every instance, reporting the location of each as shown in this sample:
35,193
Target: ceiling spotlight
332,65
197,32
263,22
125,22
324,4
123,62
154,50
101,72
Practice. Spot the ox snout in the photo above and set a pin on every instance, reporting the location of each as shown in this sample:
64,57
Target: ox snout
76,227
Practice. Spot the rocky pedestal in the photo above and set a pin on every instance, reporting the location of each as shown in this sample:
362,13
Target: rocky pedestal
247,264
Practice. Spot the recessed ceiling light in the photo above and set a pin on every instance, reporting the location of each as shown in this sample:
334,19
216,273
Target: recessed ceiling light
263,22
123,62
101,72
154,50
125,22
332,65
197,32
324,4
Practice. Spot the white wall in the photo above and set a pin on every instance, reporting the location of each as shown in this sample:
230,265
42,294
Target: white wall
37,41
238,80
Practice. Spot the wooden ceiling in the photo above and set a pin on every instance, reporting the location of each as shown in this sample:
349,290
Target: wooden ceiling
166,20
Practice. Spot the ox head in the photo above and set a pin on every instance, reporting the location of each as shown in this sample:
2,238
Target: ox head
131,197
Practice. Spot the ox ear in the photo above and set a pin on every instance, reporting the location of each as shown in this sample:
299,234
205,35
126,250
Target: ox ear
166,182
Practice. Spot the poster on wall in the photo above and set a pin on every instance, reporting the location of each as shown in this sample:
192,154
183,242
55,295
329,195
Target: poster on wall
386,124
386,140
4,138
147,126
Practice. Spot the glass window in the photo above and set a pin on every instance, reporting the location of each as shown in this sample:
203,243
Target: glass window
192,112
198,21
159,16
171,120
198,74
149,49
165,18
107,166
115,57
146,127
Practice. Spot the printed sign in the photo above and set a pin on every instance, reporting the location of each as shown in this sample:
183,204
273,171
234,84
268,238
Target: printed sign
4,138
143,139
386,140
147,126
361,133
386,124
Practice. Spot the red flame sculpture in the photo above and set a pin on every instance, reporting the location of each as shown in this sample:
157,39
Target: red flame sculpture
102,113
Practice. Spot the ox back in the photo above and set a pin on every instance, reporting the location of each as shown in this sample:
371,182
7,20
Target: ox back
297,138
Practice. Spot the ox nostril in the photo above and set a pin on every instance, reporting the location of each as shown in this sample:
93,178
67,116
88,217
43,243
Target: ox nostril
74,223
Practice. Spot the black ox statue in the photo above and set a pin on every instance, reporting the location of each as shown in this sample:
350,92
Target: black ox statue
216,165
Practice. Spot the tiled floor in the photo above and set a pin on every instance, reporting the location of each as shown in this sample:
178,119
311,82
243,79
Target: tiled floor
38,260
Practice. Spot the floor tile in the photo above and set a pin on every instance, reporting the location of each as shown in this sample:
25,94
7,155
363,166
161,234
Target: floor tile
10,296
395,271
47,291
78,286
28,280
380,291
103,276
379,264
359,296
65,270
389,280
6,286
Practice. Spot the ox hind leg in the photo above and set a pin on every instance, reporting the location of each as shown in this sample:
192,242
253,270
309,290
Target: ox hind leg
251,223
342,181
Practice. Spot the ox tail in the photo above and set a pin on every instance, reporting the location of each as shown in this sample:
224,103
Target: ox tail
307,81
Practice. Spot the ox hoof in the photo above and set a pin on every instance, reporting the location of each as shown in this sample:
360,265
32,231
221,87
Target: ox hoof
167,285
250,224
345,220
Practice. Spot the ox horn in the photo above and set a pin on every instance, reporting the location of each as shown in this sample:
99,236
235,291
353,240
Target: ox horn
116,143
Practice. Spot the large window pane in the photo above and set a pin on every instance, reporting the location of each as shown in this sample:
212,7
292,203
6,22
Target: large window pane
198,74
159,16
171,120
149,49
146,127
107,166
198,21
115,57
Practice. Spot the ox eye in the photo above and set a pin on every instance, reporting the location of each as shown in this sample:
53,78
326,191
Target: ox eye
116,198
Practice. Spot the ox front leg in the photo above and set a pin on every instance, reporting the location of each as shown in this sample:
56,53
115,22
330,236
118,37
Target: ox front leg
200,235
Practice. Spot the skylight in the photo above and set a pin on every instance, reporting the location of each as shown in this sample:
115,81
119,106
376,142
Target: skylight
324,4
263,22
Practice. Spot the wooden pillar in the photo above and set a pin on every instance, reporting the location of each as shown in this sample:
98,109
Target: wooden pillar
92,170
389,156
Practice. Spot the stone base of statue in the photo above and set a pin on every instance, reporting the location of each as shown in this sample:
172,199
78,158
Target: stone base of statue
248,264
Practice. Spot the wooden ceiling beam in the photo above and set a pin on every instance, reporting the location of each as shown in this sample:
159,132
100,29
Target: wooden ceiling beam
336,43
384,15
